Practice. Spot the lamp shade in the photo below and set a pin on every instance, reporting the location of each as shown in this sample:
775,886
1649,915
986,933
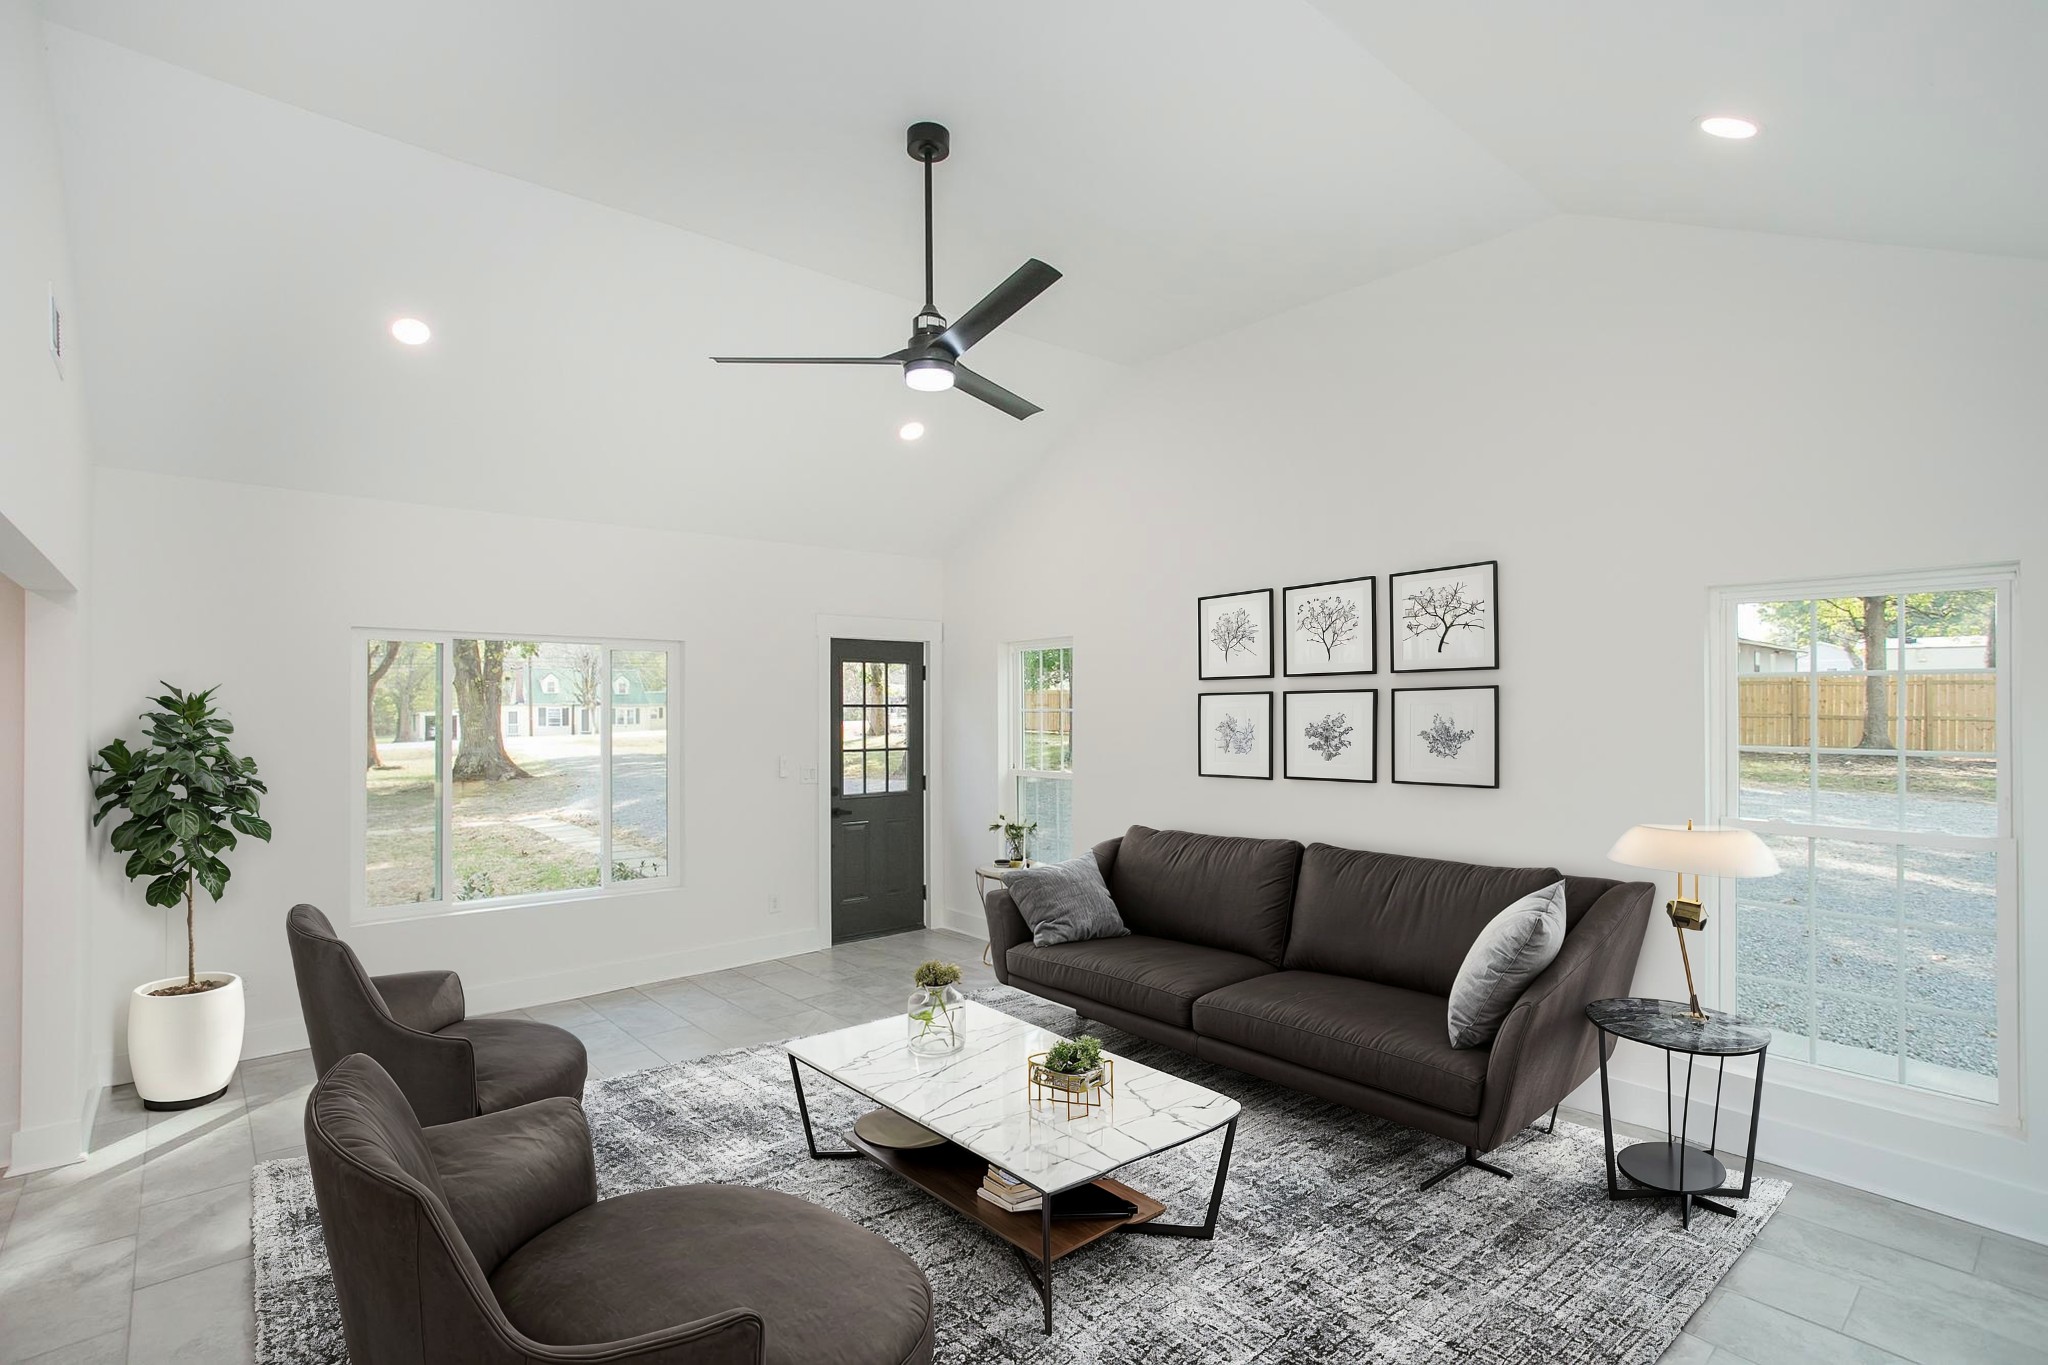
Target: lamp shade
1705,852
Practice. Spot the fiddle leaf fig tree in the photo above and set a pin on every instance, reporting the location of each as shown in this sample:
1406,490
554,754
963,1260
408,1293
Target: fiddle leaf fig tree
185,797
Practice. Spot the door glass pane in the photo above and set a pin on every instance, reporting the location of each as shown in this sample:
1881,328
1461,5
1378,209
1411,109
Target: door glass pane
878,684
852,774
402,848
876,727
851,684
899,727
526,807
851,725
877,771
899,771
899,683
640,761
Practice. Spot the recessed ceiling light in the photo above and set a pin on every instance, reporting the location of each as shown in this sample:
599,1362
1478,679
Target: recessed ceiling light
910,431
1720,125
411,331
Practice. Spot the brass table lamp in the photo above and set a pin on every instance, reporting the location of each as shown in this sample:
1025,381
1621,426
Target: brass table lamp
1683,849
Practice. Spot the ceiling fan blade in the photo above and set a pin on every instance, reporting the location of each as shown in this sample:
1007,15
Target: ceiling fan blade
896,359
992,393
1026,283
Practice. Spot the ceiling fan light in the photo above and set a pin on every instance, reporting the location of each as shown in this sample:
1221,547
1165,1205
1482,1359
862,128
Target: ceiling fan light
928,375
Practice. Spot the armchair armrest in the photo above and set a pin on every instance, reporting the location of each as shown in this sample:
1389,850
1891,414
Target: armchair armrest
512,1175
427,1001
1546,1046
1006,928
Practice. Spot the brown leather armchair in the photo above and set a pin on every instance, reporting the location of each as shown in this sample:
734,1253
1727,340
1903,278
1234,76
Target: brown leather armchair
483,1242
450,1067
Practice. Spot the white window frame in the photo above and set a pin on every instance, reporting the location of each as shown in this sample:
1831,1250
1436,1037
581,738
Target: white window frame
1007,798
1724,797
362,912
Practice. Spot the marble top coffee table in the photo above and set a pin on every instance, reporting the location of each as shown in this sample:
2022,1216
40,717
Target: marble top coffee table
976,1098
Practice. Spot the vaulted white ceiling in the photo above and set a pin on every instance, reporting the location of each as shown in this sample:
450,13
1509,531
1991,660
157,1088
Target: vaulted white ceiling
587,200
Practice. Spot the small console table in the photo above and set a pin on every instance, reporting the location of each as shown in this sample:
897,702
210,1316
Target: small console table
1677,1167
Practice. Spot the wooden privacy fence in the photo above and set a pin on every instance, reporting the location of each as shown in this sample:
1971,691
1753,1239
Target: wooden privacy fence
1944,711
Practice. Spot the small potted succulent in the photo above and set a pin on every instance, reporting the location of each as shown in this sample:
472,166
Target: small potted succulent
1073,1072
936,1016
1016,839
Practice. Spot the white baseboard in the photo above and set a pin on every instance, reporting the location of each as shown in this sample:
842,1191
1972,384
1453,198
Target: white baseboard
973,924
1953,1190
266,1038
52,1144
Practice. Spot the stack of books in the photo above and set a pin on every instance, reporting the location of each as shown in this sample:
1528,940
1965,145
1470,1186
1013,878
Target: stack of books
1007,1192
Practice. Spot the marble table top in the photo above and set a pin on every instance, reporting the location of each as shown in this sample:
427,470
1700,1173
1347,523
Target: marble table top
1666,1024
977,1097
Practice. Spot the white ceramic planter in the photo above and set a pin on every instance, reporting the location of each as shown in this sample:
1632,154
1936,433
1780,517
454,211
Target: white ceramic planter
183,1048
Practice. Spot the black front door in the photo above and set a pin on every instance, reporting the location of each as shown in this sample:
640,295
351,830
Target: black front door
877,766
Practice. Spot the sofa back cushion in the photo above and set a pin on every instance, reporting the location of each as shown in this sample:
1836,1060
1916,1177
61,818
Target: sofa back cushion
1233,894
1397,920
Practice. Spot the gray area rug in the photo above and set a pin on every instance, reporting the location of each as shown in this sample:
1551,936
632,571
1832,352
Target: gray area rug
1325,1251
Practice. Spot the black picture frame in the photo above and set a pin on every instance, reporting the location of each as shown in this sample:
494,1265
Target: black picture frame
1203,670
1396,730
1368,632
1202,732
1370,741
1395,636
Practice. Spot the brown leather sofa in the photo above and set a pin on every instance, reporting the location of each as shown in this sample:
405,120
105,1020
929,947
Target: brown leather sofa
483,1242
1330,970
415,1024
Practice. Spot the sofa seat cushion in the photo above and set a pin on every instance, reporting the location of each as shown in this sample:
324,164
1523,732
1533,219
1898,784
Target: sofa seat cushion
1154,977
519,1061
1382,1036
828,1292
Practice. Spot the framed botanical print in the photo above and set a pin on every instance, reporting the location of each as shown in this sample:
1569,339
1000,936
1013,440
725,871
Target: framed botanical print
1444,620
1330,736
1237,635
1446,736
1234,734
1329,627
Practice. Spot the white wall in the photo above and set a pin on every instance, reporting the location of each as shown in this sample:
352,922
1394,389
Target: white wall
44,491
257,590
13,622
1623,415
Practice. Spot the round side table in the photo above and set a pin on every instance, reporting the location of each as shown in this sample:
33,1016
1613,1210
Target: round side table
1679,1168
983,875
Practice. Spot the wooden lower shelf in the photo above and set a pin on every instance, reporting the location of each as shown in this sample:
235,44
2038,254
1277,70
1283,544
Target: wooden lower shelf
952,1174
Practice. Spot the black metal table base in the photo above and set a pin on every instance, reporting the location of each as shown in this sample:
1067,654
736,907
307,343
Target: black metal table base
1692,1176
1040,1271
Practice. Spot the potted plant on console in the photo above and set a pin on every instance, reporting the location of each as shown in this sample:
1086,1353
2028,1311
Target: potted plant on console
1016,839
185,797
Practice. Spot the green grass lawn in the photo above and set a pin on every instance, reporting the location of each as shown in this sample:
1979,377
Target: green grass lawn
518,837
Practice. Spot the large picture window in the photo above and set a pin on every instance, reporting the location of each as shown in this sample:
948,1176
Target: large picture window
1039,776
1865,735
551,776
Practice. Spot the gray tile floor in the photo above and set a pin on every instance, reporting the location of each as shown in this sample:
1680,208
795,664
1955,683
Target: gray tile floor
142,1252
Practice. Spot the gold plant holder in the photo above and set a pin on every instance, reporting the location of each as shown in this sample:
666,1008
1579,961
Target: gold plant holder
1079,1095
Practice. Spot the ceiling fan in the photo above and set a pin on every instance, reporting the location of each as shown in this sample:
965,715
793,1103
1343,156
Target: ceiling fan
931,359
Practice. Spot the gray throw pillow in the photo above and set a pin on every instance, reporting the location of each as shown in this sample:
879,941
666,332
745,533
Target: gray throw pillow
1065,902
1510,952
